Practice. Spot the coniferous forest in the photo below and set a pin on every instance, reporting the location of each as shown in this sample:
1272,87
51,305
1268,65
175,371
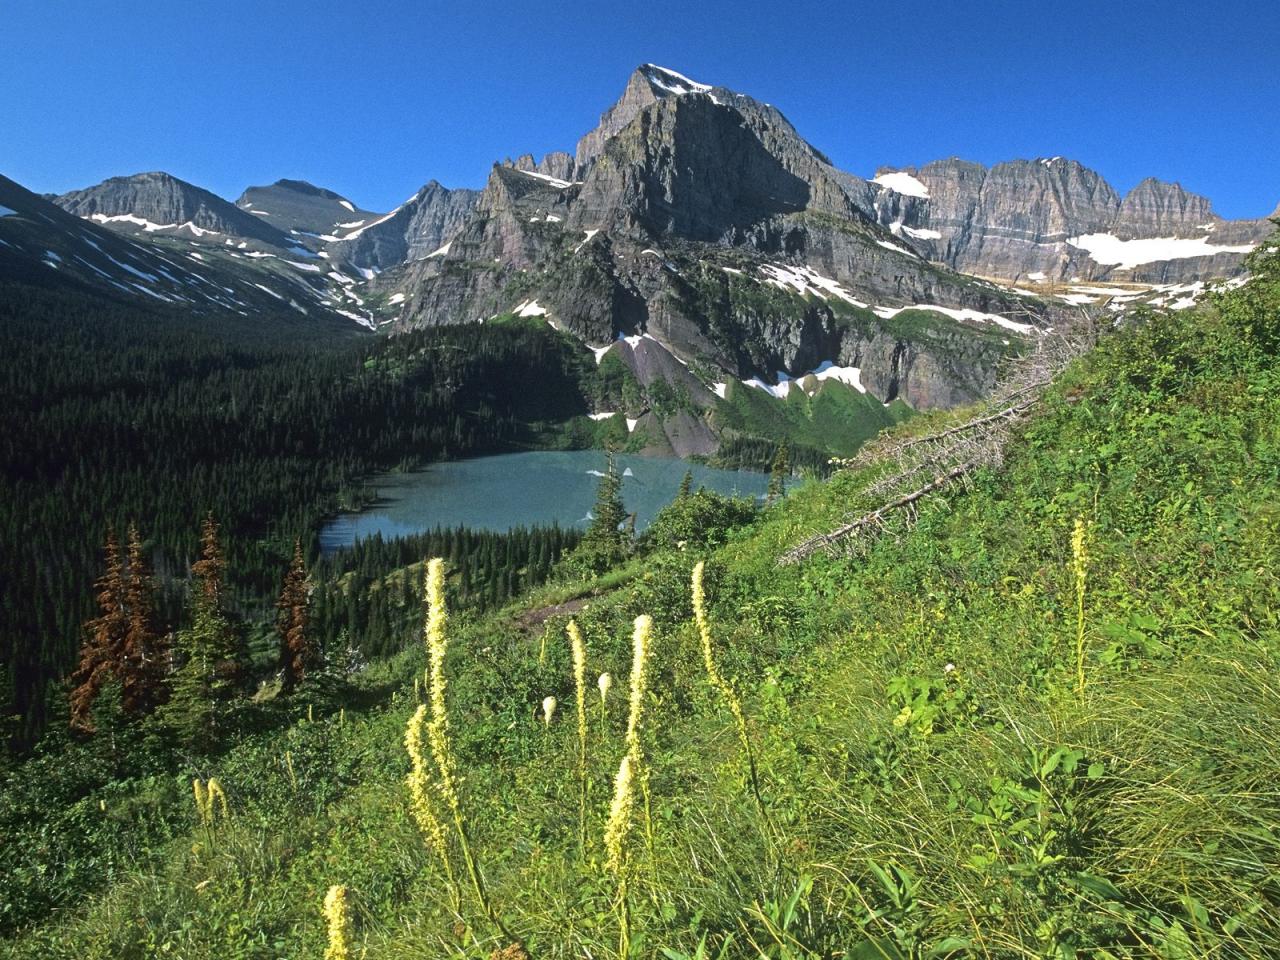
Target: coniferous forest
122,415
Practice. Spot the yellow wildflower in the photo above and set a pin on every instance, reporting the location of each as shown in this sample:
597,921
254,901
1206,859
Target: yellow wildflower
615,833
338,915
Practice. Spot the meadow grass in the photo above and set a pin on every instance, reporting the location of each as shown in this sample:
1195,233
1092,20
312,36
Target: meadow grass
983,738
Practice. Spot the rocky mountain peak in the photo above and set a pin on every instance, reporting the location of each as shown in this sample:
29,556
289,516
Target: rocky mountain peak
159,200
639,93
417,228
308,189
1154,206
664,82
301,208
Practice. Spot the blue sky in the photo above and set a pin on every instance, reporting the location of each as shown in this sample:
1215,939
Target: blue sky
372,98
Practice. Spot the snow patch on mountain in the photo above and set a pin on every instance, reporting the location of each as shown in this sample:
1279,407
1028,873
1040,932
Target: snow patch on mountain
671,81
903,183
554,181
804,281
922,234
897,249
1110,250
973,316
807,382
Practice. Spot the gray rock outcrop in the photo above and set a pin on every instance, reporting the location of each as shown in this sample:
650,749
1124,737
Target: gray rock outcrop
412,231
1026,217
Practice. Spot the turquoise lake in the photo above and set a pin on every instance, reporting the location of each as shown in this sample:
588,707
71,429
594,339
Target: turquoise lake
523,489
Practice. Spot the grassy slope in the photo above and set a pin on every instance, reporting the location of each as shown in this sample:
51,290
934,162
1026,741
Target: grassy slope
836,418
989,808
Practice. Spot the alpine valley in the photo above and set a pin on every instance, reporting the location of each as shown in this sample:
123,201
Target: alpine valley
987,669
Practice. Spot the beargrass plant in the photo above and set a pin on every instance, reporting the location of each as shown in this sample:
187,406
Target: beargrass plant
210,800
337,915
730,697
423,802
631,772
578,650
439,737
1079,574
604,683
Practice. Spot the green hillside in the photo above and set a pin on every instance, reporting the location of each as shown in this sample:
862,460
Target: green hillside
1043,720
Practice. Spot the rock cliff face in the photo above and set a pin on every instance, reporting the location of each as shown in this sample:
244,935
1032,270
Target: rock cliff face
149,201
1055,217
412,231
700,217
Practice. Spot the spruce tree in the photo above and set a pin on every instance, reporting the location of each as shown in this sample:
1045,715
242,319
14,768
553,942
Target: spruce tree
608,513
605,542
297,646
208,647
778,472
103,647
686,485
144,661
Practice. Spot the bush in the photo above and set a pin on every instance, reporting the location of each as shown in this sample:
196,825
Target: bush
703,519
1253,310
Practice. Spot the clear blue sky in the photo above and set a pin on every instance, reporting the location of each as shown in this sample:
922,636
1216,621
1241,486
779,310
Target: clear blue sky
372,98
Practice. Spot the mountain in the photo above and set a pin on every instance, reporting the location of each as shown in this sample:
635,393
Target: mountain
414,230
159,202
189,269
1057,218
300,208
701,219
698,240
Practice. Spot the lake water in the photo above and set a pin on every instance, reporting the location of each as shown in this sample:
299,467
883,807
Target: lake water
523,489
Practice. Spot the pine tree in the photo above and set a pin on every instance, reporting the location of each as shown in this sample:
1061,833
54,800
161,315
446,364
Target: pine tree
100,654
144,658
686,485
297,645
778,472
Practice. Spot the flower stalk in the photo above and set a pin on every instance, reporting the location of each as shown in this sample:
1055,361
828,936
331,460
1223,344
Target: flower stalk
337,914
579,650
422,803
438,733
1080,572
725,688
